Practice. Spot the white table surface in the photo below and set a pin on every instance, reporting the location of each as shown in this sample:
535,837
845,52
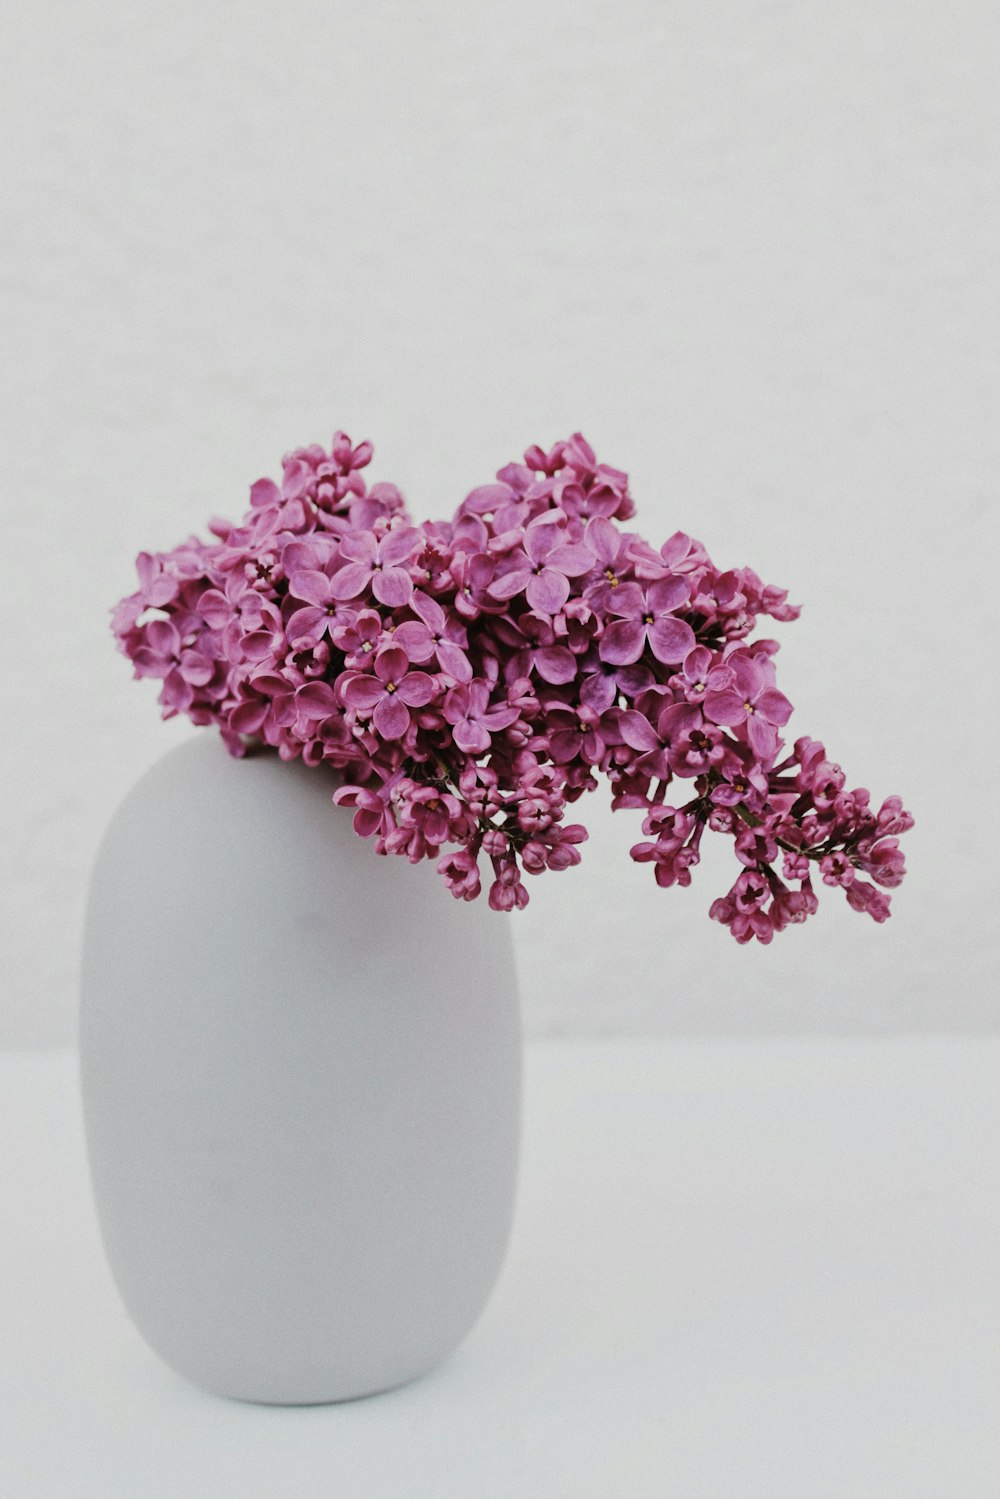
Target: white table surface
738,1269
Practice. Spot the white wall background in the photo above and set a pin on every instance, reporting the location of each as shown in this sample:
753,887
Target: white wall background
751,249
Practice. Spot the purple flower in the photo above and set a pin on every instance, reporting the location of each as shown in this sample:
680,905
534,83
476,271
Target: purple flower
473,573
647,614
391,692
312,584
559,647
542,568
614,558
238,611
378,564
605,681
157,586
362,637
445,636
460,872
749,700
533,648
580,733
467,708
692,679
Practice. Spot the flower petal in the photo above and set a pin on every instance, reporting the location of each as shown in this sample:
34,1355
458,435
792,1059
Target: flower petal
573,559
598,691
697,663
349,581
748,675
361,691
487,498
415,639
470,737
671,639
391,718
676,719
416,688
668,594
257,646
452,659
392,586
396,546
214,608
763,737
306,626
725,708
637,731
310,585
547,591
556,664
456,704
500,716
627,601
429,610
603,538
316,700
564,744
539,540
264,492
622,642
248,717
774,706
506,587
360,546
391,664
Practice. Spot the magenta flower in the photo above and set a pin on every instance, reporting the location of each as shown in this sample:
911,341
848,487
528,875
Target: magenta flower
613,556
446,638
603,682
306,626
543,569
647,614
362,637
692,679
238,611
473,573
749,701
531,647
378,564
157,586
467,708
469,679
391,692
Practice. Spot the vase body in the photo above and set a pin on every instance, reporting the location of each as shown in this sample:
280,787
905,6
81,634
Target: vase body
300,1067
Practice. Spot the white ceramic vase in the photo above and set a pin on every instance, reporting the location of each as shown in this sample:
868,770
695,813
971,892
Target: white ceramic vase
301,1085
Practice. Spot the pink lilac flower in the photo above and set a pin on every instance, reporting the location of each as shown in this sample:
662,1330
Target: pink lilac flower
391,692
647,615
744,698
544,569
447,639
464,681
378,564
467,708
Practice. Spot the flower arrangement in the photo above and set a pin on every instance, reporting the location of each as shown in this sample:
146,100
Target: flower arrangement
469,679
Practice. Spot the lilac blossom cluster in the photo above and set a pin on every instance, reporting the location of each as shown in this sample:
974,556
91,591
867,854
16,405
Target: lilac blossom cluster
470,679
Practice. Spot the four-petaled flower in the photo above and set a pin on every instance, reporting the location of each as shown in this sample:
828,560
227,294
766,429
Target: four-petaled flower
392,691
647,614
377,563
542,570
467,708
748,700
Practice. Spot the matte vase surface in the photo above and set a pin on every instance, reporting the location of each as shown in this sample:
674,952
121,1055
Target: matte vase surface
301,1083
